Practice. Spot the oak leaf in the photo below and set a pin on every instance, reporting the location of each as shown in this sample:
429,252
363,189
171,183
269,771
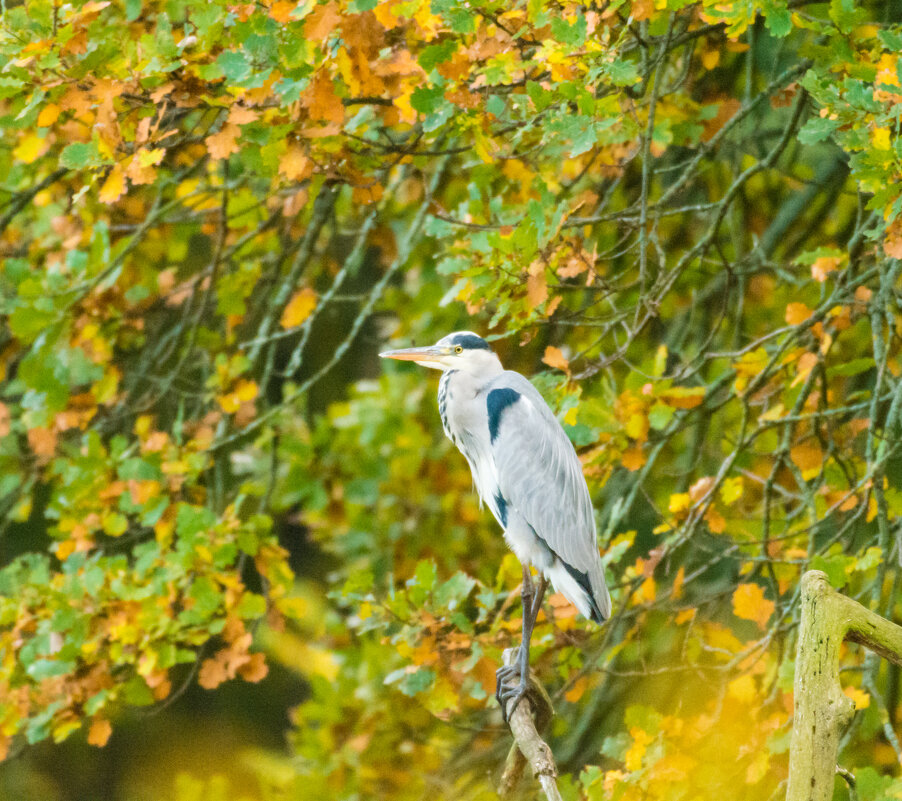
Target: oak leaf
321,101
321,22
295,165
221,145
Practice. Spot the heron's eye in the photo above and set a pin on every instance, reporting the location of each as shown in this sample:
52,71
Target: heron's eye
458,349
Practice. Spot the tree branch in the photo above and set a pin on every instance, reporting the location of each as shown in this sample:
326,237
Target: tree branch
529,746
822,711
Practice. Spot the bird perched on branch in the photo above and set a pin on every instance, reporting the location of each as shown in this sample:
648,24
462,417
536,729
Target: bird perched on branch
526,470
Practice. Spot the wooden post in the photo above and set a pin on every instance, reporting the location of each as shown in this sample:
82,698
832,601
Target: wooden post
822,711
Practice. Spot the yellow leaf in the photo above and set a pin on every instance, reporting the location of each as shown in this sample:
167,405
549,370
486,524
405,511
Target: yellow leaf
299,308
555,358
113,186
150,158
742,689
859,697
49,115
808,457
731,489
30,148
246,390
677,589
797,313
99,732
880,138
679,502
633,757
749,603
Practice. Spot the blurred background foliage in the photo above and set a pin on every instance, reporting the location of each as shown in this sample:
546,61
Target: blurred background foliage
240,560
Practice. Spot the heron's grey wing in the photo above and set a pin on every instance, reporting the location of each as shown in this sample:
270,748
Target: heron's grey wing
539,473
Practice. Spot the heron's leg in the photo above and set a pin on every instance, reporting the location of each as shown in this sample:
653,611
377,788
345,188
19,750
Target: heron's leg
532,603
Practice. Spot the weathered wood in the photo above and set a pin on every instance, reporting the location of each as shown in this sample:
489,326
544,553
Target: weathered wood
529,746
822,711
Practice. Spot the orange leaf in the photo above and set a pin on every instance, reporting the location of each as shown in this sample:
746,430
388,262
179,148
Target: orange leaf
797,313
48,115
536,287
633,458
577,690
212,673
321,101
99,732
42,441
555,358
295,165
321,21
892,245
683,397
240,115
254,669
281,11
715,520
749,603
808,457
299,308
221,145
113,186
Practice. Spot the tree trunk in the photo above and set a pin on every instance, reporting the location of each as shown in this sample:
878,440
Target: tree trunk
822,711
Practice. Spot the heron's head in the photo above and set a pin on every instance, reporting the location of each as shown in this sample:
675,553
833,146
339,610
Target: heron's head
462,350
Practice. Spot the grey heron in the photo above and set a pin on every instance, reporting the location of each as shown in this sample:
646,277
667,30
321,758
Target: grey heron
527,472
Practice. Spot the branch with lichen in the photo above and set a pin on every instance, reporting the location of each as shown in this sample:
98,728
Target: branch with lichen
822,711
526,721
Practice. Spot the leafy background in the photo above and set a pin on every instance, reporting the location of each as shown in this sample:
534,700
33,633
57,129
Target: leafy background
239,558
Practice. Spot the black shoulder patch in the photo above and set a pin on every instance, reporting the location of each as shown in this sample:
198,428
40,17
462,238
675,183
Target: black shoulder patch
470,342
496,402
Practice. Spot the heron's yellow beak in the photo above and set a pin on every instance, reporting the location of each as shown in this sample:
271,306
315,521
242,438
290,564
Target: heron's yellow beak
430,356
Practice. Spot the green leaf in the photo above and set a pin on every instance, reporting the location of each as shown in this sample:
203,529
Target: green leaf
817,129
234,66
79,155
433,55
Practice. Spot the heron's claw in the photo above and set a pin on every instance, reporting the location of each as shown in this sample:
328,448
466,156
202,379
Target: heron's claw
507,693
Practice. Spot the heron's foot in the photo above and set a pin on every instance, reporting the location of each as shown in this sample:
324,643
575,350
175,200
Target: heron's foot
511,685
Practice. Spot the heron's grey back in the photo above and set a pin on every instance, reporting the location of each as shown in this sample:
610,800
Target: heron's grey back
540,475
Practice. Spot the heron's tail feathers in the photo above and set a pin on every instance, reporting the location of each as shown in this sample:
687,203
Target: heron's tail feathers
587,592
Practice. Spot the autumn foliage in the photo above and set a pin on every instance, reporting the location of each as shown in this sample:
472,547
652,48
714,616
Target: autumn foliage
683,219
